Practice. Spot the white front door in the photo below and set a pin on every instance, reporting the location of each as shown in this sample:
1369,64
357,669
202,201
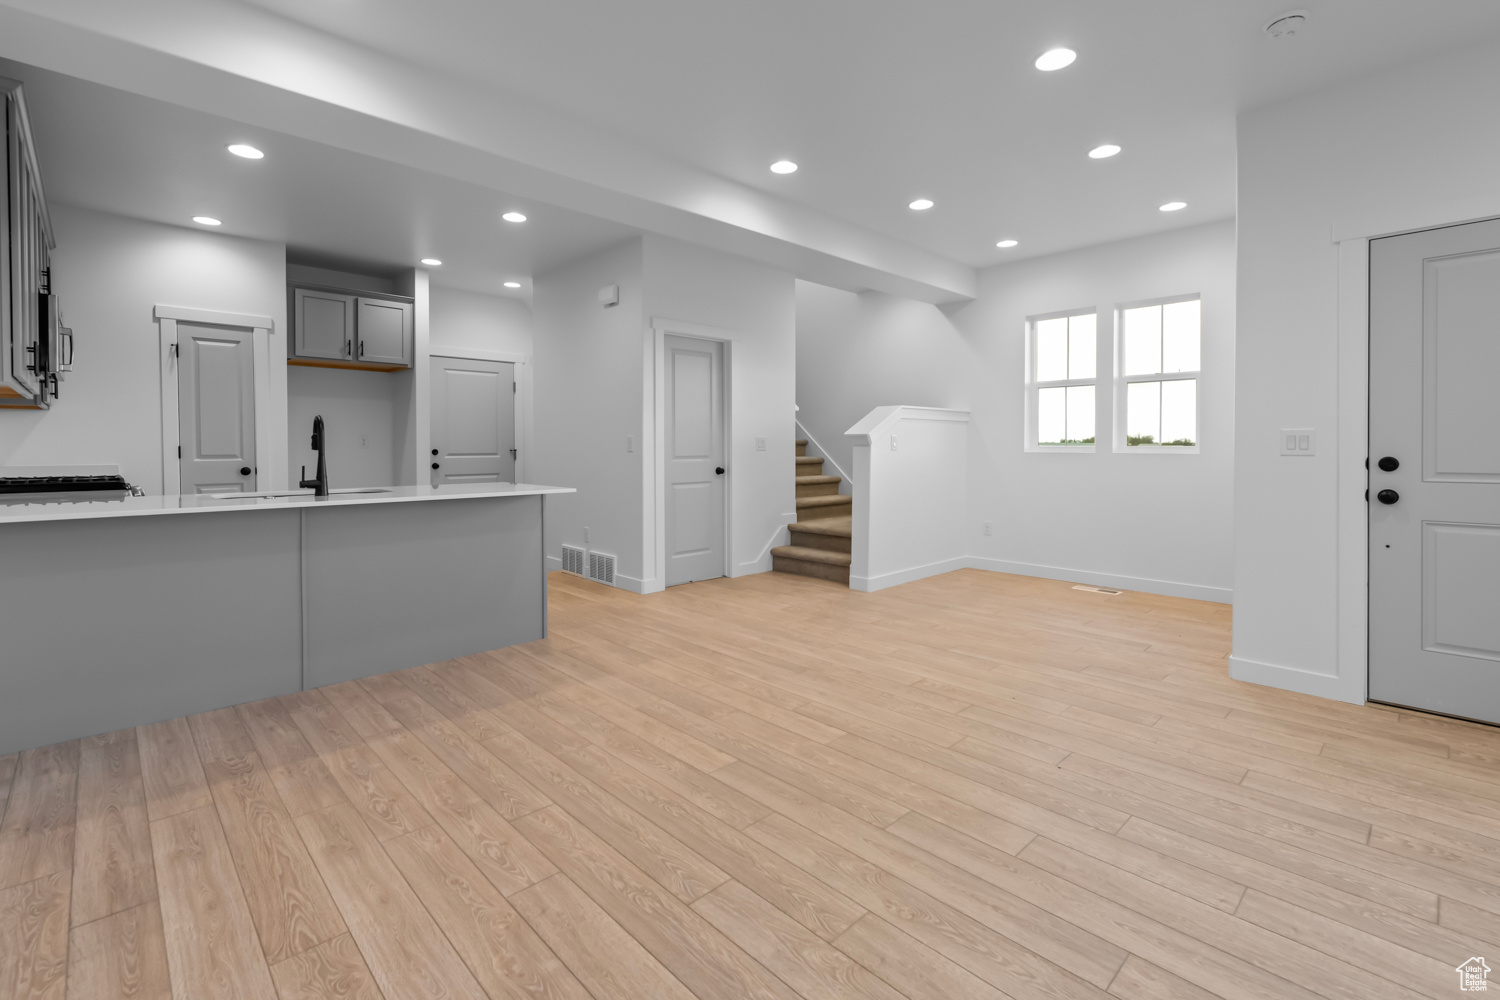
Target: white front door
1435,470
694,459
216,408
473,421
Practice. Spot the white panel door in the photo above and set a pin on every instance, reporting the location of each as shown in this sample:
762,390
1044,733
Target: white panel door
1435,470
694,459
473,421
216,408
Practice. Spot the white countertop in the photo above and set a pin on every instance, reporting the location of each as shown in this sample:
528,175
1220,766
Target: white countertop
18,509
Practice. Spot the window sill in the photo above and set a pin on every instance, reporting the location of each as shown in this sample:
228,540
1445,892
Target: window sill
1157,449
1086,449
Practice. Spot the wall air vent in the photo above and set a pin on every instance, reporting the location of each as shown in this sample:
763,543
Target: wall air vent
572,560
602,568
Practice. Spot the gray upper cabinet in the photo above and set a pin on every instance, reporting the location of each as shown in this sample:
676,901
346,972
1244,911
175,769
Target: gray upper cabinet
384,331
324,323
339,329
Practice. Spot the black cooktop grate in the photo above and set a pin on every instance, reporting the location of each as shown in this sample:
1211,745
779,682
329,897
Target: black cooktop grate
61,484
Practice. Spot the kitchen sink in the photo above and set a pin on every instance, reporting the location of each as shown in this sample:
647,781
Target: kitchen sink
294,493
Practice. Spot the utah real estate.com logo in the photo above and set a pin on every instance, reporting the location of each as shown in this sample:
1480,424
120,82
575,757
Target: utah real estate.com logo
1474,975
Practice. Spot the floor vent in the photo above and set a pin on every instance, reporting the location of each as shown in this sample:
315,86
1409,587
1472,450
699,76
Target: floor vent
602,568
572,560
1097,590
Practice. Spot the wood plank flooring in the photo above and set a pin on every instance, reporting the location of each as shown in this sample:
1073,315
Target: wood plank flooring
976,787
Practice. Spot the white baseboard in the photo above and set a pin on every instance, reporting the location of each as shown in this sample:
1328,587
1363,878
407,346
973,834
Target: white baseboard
1320,685
869,584
636,585
1167,588
762,562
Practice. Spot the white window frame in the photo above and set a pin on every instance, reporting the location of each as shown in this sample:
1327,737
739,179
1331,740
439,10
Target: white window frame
1122,382
1033,387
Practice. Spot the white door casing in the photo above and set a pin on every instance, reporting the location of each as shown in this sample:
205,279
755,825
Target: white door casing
473,420
1434,552
258,330
694,459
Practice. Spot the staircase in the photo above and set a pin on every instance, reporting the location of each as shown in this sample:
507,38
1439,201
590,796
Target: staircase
822,536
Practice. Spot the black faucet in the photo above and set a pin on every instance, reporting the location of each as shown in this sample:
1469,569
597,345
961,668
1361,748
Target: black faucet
319,486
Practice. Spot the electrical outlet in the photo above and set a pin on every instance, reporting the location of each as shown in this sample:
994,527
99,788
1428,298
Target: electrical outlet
364,440
988,528
893,442
760,444
585,536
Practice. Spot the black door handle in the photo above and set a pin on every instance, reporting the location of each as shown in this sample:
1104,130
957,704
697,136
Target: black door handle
719,471
1387,497
244,470
1389,464
434,465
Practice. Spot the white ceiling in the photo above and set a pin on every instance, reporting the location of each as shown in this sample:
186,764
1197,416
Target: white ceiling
881,101
106,149
397,130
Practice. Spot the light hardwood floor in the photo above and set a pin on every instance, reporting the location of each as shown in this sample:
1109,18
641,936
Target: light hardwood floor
976,786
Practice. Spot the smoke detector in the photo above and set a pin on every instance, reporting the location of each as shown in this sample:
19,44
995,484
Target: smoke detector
1284,25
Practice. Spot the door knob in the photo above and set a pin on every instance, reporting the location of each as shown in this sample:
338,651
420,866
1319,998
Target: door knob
434,451
1389,464
1387,497
719,471
434,465
244,470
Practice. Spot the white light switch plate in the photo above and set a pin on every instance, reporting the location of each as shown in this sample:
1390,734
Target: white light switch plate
1299,441
760,444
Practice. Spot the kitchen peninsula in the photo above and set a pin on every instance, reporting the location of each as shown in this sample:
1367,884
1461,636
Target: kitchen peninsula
123,612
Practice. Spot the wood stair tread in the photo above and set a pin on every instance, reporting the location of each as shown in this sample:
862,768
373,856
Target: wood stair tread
839,526
802,441
827,500
811,480
809,460
812,555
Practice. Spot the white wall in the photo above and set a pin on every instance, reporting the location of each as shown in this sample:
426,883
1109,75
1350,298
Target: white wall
1146,521
753,307
910,518
595,386
462,320
1408,149
587,385
111,272
359,413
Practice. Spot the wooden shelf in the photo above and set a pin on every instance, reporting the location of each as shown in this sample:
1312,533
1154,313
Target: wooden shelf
358,366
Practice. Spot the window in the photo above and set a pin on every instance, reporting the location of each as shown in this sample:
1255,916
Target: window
1063,373
1160,346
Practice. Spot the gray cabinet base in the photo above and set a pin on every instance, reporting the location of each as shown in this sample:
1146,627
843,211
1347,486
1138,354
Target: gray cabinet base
119,622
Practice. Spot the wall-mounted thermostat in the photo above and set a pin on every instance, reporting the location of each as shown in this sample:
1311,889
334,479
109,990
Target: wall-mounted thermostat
609,295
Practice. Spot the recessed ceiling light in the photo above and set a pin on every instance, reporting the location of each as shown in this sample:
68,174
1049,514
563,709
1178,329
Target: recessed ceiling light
920,205
1007,244
432,262
513,217
206,220
1055,59
248,152
1104,152
1174,206
512,284
783,167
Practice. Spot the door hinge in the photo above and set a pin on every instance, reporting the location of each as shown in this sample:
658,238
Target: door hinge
174,349
179,451
513,454
513,387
